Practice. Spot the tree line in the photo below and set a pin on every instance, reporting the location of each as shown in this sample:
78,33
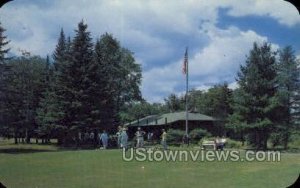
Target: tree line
81,88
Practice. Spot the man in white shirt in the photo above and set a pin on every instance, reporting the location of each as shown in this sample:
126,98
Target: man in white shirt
139,138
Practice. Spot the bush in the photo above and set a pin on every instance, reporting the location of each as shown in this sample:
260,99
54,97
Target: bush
233,144
197,134
276,139
294,143
175,136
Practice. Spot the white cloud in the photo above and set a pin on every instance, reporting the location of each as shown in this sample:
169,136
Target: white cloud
134,22
284,12
217,62
224,52
26,32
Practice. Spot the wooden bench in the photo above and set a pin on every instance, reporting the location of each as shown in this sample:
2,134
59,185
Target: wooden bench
206,143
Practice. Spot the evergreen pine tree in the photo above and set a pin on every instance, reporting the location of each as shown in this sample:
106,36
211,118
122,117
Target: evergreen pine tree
5,87
79,71
288,92
3,43
255,104
50,114
59,54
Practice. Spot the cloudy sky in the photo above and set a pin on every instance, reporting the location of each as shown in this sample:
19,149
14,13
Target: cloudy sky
219,34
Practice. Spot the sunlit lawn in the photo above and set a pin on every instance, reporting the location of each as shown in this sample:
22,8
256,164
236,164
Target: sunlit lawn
98,168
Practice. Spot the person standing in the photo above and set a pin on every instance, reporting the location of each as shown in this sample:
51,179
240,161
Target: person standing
186,140
119,136
164,139
124,139
150,137
91,138
139,138
104,139
86,137
223,142
218,143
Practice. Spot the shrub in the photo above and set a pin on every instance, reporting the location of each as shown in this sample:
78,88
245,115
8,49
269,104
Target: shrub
233,144
294,143
276,139
174,136
198,134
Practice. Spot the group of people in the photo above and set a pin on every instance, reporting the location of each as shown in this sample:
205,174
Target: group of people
92,137
86,137
122,138
140,138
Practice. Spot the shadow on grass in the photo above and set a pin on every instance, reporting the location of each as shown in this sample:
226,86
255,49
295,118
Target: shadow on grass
23,150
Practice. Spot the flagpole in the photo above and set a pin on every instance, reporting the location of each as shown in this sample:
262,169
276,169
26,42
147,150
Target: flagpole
186,94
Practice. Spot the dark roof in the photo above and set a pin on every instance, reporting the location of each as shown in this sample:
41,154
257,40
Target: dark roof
169,118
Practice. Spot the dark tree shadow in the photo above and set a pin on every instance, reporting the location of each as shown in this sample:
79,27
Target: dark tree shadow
23,150
13,150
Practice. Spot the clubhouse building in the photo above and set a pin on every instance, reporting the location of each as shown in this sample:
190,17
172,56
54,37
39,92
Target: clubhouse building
176,120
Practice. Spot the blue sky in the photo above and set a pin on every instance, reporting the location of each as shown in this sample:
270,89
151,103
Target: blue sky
219,34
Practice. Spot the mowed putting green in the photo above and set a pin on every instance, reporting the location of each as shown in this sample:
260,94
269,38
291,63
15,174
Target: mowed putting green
105,168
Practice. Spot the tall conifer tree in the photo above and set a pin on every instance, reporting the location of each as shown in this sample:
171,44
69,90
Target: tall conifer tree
288,94
256,101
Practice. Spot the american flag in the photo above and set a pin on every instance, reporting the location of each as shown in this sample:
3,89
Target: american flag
185,62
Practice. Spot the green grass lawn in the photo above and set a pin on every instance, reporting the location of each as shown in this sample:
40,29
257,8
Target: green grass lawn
26,166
